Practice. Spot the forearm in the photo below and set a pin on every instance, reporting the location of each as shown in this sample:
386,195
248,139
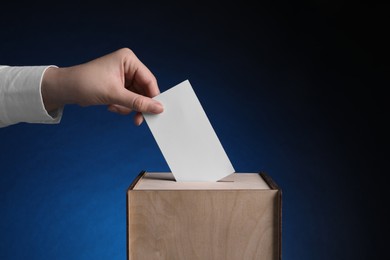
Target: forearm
119,80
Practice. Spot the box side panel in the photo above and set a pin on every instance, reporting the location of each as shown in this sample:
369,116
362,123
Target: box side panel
203,225
127,225
131,187
279,213
269,181
274,186
136,180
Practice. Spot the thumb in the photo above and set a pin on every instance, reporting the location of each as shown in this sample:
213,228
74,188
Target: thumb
139,103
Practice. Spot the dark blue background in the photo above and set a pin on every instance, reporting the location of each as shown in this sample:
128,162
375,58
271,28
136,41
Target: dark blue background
294,91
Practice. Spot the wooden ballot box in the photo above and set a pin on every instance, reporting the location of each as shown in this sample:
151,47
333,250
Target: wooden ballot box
237,218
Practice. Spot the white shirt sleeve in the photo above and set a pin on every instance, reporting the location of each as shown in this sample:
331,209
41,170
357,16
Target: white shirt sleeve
20,96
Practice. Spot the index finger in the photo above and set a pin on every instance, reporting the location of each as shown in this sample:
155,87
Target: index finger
140,77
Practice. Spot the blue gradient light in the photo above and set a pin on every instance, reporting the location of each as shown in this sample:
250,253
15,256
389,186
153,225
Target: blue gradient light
275,84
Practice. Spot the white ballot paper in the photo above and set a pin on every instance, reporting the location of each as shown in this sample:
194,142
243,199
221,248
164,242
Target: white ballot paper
186,138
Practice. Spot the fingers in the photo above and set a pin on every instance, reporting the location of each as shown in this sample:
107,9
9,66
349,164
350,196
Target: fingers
145,104
143,80
139,86
119,109
136,102
138,119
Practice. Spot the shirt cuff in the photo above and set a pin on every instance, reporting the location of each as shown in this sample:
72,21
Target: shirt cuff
21,97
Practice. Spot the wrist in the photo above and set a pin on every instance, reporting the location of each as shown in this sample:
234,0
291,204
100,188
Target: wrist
52,89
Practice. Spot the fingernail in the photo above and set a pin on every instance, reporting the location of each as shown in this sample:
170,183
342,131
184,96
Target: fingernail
138,119
138,123
157,107
113,109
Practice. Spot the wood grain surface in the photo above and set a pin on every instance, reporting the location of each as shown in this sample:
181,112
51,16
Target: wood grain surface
203,224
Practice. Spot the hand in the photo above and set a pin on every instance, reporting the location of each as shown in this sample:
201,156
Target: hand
118,80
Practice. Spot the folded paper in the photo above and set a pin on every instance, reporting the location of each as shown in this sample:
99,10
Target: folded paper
186,137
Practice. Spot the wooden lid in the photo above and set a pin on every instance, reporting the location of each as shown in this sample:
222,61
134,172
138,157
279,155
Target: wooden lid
166,181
